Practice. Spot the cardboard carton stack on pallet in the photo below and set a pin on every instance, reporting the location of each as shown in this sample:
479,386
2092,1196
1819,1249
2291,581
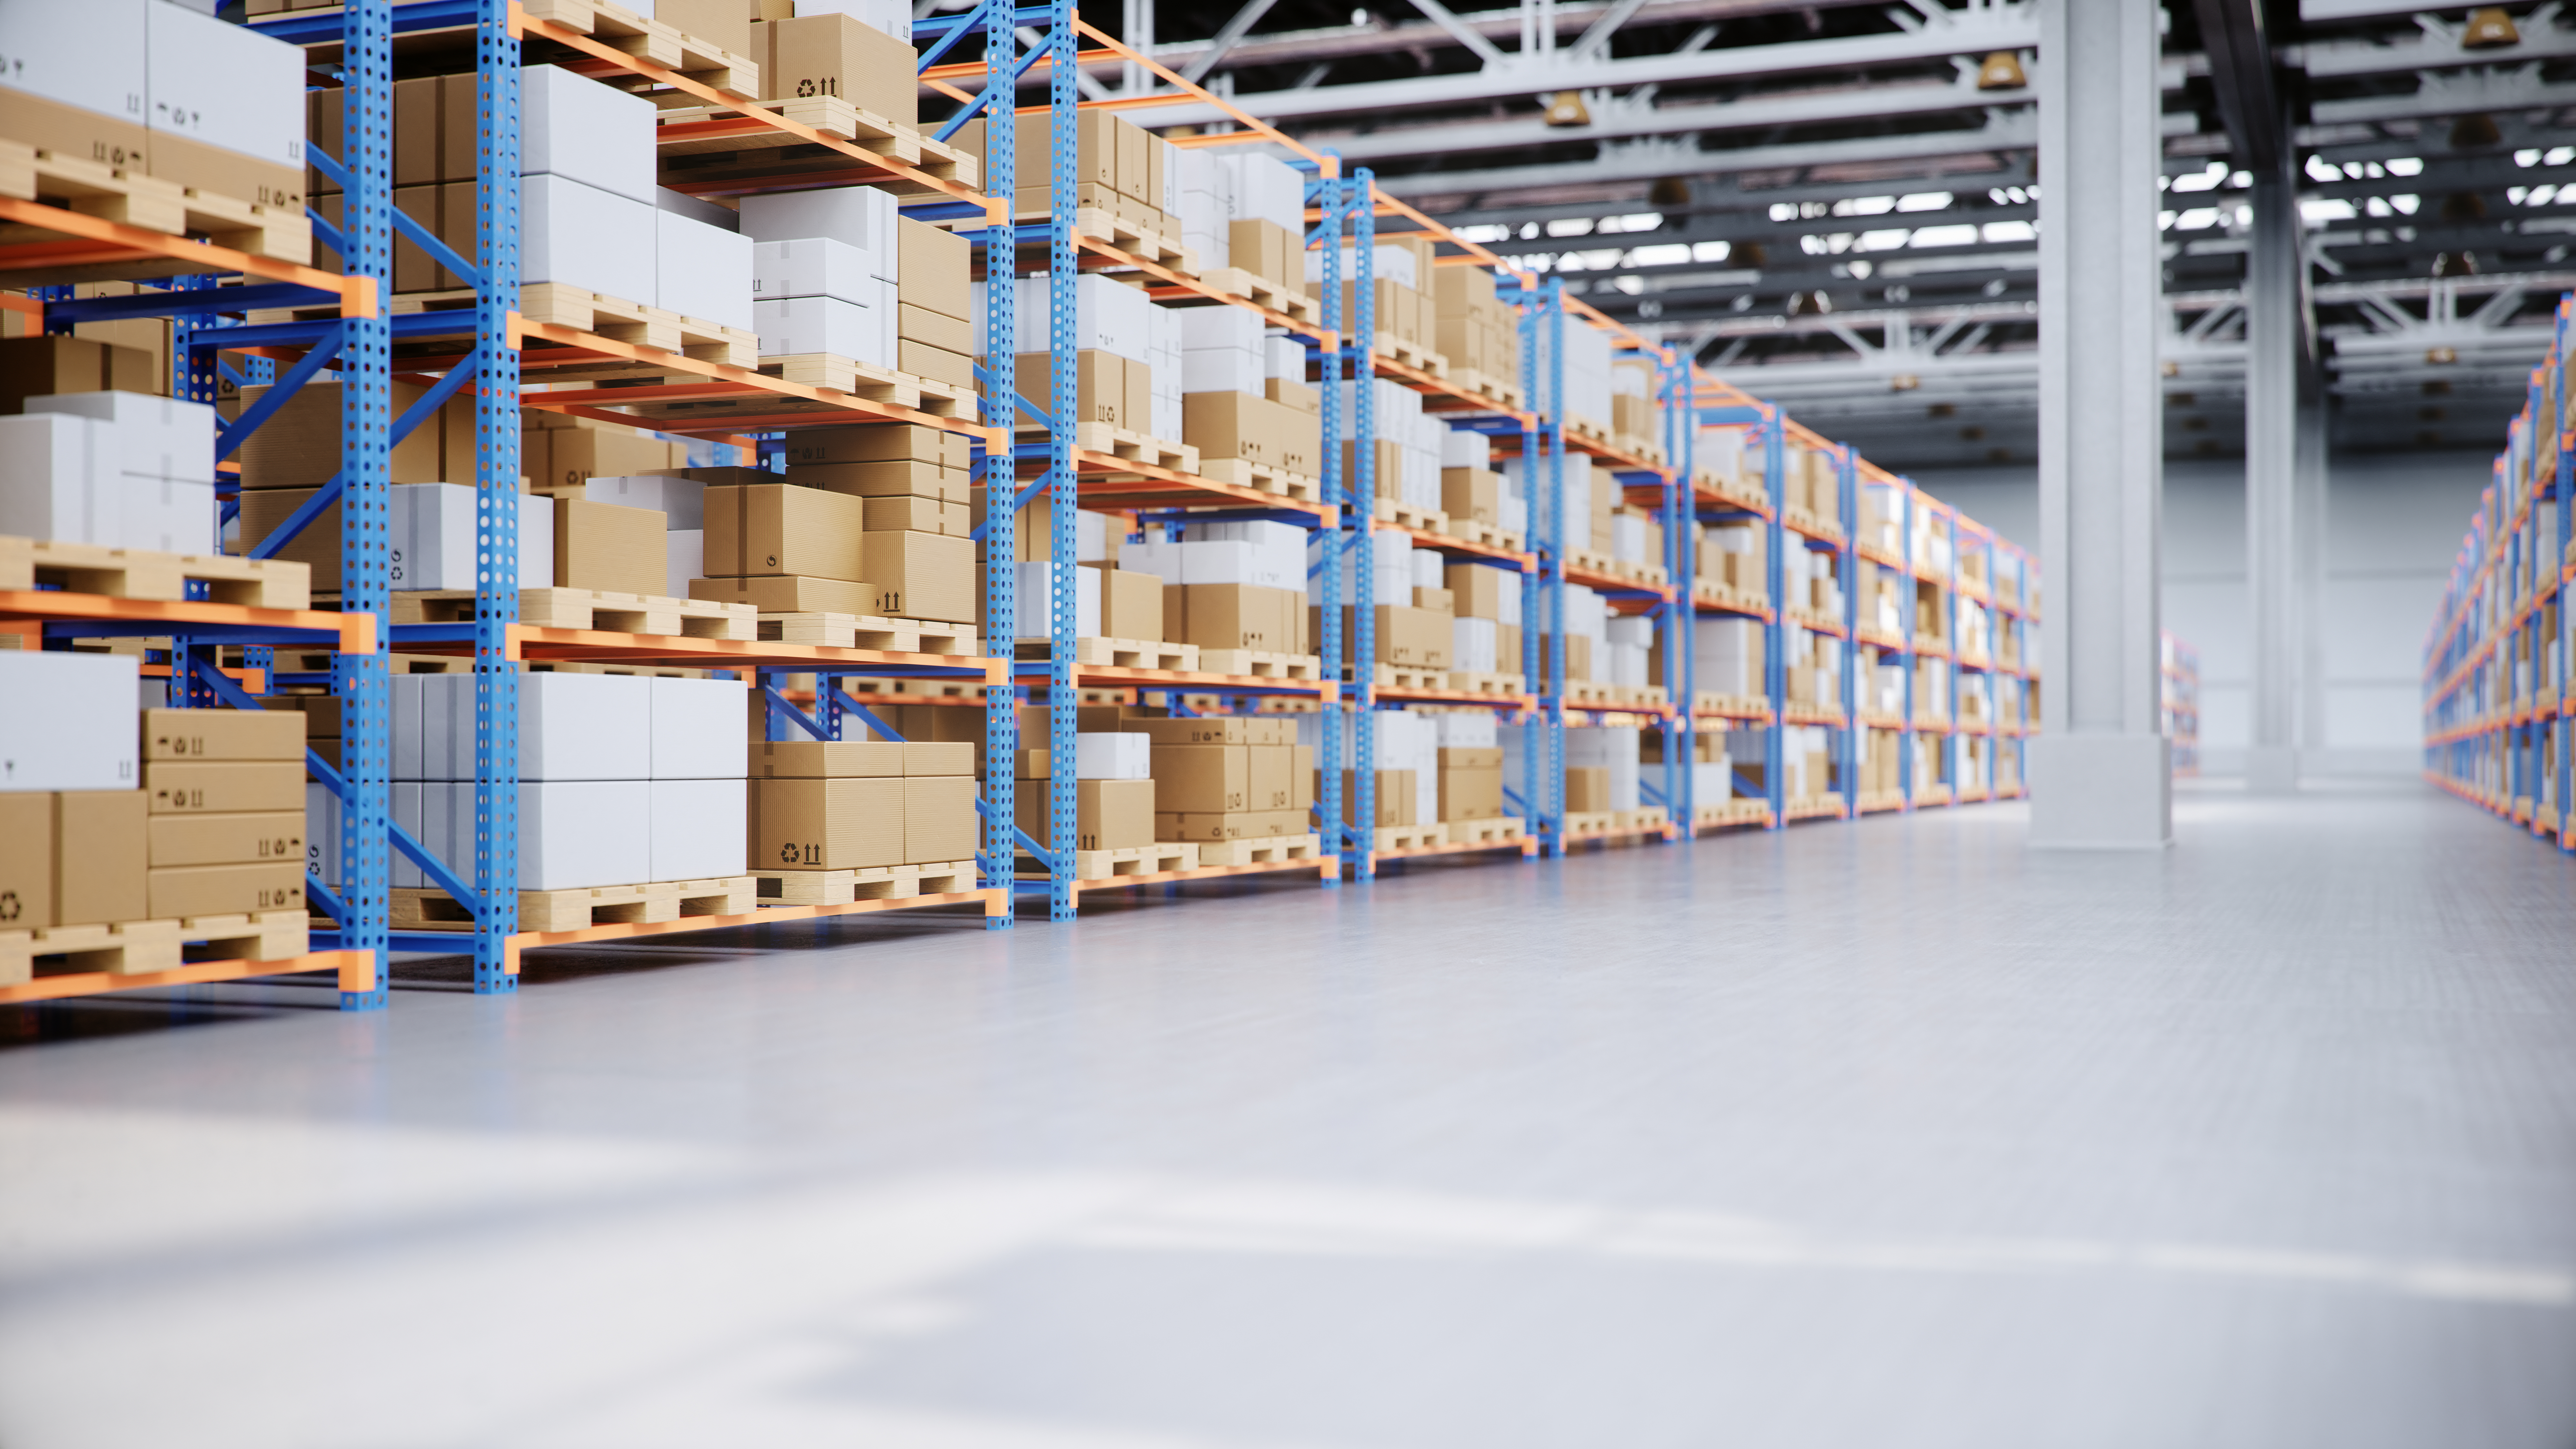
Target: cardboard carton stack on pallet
820,808
1475,330
1732,561
1244,397
1114,790
125,833
1407,461
1704,754
1484,625
840,275
1228,779
1727,659
867,520
1470,770
1244,211
1232,589
1585,405
1636,421
1127,362
1404,301
1473,493
1413,617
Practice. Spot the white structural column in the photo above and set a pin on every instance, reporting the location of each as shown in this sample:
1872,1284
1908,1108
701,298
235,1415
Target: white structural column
2275,326
2101,769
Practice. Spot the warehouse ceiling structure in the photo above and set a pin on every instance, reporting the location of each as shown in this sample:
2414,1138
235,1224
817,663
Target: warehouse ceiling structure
1834,205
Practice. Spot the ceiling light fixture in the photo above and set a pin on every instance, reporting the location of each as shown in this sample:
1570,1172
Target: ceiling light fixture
2490,28
2001,72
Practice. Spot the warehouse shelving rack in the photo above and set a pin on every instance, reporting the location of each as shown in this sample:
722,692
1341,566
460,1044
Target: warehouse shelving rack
1897,500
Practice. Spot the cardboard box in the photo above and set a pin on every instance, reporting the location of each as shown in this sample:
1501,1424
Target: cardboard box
828,824
581,131
558,460
1095,149
836,55
1587,788
1243,425
939,819
1271,785
776,529
1100,386
71,726
1472,493
921,575
890,478
222,734
1418,638
299,445
27,859
605,547
583,236
1435,601
1107,814
1231,825
1395,800
1217,730
920,359
261,837
77,130
1236,616
223,787
1297,397
1131,605
224,88
887,442
953,335
1202,778
1112,755
936,270
790,594
41,366
700,828
1266,250
826,759
100,853
722,23
224,890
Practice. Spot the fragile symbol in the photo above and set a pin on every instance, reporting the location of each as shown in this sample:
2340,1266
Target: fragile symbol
8,905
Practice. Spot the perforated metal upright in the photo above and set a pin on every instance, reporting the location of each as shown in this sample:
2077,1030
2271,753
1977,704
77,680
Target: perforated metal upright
496,499
1331,194
1681,616
1062,490
1775,666
1362,347
1543,486
1847,574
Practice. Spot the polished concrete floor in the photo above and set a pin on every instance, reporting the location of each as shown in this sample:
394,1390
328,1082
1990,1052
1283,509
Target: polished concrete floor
1884,1134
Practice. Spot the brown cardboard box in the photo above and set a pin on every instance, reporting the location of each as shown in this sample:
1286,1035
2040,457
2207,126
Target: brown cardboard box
835,55
923,360
905,512
937,268
78,131
99,859
1207,826
1587,787
561,459
43,366
201,167
877,443
1038,200
1107,814
1418,638
1232,729
835,824
1394,804
1100,386
1134,171
939,820
299,445
1202,778
1138,408
610,548
921,575
935,329
725,24
1472,493
778,529
1435,601
223,734
942,757
1460,290
317,547
1477,592
1471,793
1235,616
892,478
27,860
1265,249
1234,425
789,594
1160,157
1272,784
1578,656
223,787
1131,605
1297,397
1095,149
825,759
922,724
224,890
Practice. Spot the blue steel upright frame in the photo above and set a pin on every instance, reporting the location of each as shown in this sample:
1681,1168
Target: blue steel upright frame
496,500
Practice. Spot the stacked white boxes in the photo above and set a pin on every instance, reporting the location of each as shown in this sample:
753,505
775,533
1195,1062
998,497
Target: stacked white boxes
1110,755
824,273
116,469
894,17
1608,747
1259,553
1222,350
1108,316
1720,453
1587,615
430,537
1586,378
1167,341
623,778
1264,189
1390,569
1726,657
1409,741
1419,438
1524,484
1630,639
1206,204
1712,781
1036,599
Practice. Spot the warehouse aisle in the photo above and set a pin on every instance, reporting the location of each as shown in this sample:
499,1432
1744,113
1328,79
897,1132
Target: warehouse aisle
2263,1142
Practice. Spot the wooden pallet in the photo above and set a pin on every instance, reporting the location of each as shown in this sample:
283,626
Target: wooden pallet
140,948
1474,681
1132,237
1615,696
1274,850
1409,837
1262,292
1583,427
623,30
416,909
867,631
591,609
1491,535
868,381
1131,447
917,690
1806,522
1411,354
1491,831
1483,384
1727,596
1104,653
596,666
1709,702
150,203
1730,812
618,320
1405,515
1403,676
1269,478
1636,447
1733,490
876,883
1260,664
1160,858
134,573
1931,794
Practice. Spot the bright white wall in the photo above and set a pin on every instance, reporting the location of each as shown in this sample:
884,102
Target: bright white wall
2393,526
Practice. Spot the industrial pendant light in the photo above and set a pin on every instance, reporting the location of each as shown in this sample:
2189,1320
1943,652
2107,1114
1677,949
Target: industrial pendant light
2489,29
1565,108
2001,72
1669,191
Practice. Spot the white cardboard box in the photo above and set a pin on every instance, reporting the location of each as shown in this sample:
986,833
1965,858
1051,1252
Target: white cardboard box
322,832
684,557
91,55
1108,316
583,236
70,723
697,729
52,467
860,216
164,514
571,727
223,84
702,271
1035,596
701,828
1113,756
577,129
579,833
1232,369
790,326
819,267
402,706
1219,327
429,537
157,437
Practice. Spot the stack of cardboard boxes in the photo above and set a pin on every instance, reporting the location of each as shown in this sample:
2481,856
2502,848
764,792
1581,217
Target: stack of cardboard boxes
1737,556
834,806
871,520
1704,755
1812,485
1403,305
1415,610
1127,362
1470,768
1230,586
1882,756
1470,490
1636,422
1229,778
1410,451
1114,789
1475,330
1485,618
1118,169
1243,210
1585,380
1236,402
838,273
1602,766
860,52
107,818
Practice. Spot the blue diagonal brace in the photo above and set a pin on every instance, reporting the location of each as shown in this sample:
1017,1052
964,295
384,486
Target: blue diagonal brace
229,438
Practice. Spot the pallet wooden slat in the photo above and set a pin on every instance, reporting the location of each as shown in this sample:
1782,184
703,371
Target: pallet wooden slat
1267,477
615,318
1160,858
151,203
1406,515
868,631
1261,291
415,909
872,382
141,948
552,608
875,883
1261,664
1412,354
1274,850
1410,837
133,573
1105,653
1492,830
1129,447
648,39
